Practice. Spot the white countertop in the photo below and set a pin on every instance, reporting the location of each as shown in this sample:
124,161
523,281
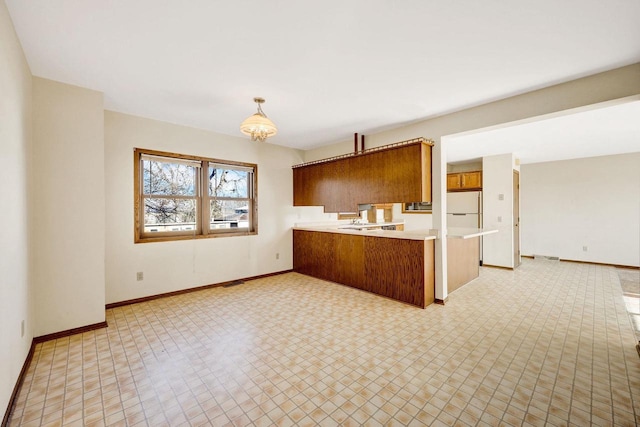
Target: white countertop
360,226
467,233
372,232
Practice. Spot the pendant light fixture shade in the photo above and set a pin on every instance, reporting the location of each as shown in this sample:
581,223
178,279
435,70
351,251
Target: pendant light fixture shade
258,126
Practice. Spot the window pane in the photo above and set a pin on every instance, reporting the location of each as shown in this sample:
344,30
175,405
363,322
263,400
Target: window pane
174,198
168,179
165,214
224,182
230,214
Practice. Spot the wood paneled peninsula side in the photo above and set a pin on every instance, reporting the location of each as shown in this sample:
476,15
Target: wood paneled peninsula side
395,264
463,255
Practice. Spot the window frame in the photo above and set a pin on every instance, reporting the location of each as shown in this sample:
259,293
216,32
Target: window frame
406,210
202,229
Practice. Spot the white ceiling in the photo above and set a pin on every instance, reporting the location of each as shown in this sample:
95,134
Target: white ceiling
598,132
327,69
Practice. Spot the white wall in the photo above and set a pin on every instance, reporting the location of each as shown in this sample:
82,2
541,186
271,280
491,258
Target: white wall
497,180
175,265
465,167
68,216
15,150
412,221
592,202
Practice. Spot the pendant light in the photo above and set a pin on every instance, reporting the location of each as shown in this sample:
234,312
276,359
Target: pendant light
258,126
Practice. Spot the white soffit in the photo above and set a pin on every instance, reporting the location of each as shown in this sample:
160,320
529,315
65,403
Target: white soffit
598,132
327,69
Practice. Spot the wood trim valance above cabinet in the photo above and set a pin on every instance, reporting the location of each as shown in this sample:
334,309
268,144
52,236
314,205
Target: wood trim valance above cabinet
396,173
464,181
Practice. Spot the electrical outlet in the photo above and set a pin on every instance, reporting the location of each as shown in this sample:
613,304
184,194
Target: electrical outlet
277,255
584,249
22,329
139,276
499,219
500,196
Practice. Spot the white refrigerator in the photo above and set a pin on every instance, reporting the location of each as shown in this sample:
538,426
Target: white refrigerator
464,209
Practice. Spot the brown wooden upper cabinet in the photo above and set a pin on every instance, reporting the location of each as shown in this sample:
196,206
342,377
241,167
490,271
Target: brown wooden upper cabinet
393,174
464,181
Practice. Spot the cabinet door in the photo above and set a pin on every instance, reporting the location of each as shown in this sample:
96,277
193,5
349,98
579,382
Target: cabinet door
328,183
342,189
393,175
369,185
324,184
472,180
360,176
404,175
314,254
302,252
301,195
349,267
454,181
306,185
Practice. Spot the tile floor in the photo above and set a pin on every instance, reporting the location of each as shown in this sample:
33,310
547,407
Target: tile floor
547,344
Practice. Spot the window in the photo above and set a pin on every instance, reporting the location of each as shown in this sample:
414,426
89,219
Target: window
185,197
417,207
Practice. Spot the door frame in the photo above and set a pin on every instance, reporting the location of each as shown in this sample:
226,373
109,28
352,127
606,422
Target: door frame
516,219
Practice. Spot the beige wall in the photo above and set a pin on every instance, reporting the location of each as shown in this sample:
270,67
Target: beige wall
170,266
68,216
497,212
465,167
15,151
592,202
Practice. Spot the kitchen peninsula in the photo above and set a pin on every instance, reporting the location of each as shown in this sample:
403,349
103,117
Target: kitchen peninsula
394,264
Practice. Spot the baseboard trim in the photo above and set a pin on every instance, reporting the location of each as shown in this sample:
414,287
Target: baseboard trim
18,386
498,266
441,301
189,290
631,267
604,264
69,332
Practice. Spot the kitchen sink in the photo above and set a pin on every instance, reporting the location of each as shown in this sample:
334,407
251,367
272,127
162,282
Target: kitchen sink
352,227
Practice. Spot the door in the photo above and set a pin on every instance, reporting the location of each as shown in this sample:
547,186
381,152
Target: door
516,219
